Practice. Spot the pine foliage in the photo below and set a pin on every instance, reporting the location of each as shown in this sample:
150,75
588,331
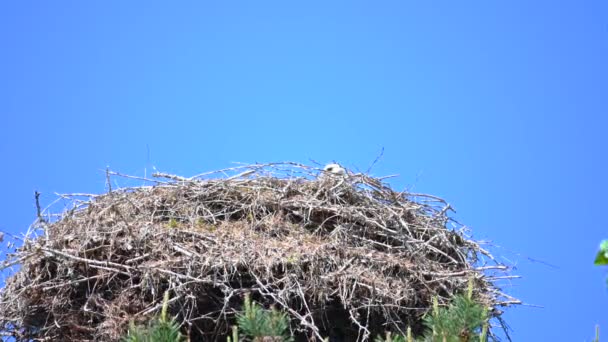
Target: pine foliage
263,325
161,330
464,320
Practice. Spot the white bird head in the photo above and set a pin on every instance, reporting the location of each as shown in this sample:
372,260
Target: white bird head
334,169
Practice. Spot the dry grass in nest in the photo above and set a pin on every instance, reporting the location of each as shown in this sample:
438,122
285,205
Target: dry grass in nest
343,256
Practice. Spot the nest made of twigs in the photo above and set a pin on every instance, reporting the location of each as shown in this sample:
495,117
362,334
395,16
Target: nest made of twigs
345,256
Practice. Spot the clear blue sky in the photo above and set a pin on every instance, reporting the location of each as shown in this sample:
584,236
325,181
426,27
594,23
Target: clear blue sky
499,106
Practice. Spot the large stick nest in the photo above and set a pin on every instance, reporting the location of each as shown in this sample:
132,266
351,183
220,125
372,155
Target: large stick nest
345,256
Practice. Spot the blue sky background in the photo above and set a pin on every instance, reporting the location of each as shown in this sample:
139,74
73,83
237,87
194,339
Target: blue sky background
498,106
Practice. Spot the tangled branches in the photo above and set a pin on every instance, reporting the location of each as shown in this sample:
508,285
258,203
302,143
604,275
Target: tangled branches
344,256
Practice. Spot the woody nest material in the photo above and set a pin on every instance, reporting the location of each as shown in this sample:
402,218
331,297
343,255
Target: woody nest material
346,257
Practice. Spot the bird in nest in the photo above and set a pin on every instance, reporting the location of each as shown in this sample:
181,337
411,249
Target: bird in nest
334,170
